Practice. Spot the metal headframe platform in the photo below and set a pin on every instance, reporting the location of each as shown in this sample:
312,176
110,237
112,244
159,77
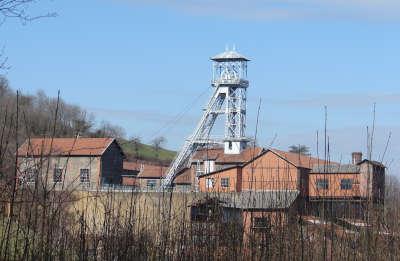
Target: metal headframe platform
230,84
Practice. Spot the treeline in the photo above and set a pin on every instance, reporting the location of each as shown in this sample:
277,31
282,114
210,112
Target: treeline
25,116
40,115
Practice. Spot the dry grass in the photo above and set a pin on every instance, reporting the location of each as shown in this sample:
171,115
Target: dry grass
41,223
154,226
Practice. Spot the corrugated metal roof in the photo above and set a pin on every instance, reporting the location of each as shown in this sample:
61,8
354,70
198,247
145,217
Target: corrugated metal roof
274,199
331,169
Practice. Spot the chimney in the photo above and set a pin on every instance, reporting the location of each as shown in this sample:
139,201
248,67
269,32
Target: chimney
356,157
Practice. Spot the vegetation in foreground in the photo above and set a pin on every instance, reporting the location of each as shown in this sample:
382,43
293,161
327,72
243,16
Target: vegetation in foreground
39,223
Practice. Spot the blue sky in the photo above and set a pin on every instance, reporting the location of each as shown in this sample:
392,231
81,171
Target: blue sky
142,64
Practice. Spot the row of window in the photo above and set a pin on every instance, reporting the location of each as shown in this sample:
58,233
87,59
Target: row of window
345,184
84,175
210,182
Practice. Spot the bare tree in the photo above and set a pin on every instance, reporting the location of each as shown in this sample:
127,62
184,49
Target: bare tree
3,60
136,142
4,89
157,143
107,129
301,149
17,9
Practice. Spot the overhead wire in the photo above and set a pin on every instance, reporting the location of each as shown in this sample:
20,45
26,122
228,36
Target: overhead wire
172,123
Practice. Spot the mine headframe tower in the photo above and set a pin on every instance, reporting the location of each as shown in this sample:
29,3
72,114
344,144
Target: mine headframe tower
230,84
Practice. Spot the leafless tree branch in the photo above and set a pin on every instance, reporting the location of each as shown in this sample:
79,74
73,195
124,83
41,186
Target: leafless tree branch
18,9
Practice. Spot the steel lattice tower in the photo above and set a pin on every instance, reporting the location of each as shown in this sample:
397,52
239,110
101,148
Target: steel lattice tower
230,83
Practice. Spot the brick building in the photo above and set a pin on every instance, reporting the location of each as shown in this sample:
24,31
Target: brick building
129,174
314,178
210,160
146,176
317,181
266,189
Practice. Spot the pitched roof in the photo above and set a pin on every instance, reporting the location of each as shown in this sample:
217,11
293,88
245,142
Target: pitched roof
300,160
373,162
249,155
130,165
152,171
335,169
263,199
220,157
229,55
246,155
220,169
252,200
183,177
65,146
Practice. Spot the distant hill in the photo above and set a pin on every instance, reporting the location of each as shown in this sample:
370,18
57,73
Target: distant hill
38,121
146,152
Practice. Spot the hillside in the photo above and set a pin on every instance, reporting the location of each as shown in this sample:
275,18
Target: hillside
38,121
146,152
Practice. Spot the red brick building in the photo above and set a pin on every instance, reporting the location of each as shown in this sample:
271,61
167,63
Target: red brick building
267,187
143,175
314,178
211,160
320,184
268,170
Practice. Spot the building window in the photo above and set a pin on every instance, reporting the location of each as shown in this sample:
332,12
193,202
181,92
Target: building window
346,184
151,184
225,182
57,175
230,145
210,183
322,184
31,175
209,166
260,222
84,176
